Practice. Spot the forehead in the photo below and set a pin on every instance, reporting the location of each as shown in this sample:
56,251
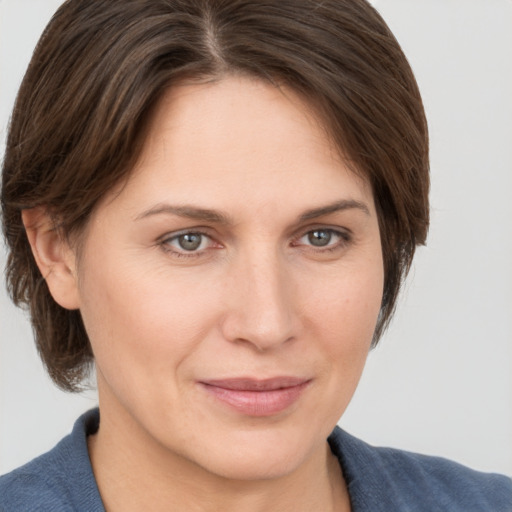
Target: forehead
239,138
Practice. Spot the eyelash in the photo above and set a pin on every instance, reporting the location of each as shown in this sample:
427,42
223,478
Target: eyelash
166,241
344,239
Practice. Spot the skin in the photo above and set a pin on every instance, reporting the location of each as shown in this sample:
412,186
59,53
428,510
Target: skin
258,298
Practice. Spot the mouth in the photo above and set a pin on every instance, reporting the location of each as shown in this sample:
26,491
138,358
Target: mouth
257,397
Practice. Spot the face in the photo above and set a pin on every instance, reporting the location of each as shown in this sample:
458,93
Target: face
230,288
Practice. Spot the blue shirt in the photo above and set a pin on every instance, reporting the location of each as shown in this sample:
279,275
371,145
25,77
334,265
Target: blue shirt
378,479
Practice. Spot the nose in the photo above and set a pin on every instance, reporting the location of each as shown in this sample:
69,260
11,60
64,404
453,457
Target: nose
261,310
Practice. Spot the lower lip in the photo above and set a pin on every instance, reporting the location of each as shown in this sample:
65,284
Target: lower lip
257,403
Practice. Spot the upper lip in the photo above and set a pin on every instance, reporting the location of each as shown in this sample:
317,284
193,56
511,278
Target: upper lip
251,384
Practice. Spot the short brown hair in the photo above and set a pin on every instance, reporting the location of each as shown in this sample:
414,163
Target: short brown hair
100,67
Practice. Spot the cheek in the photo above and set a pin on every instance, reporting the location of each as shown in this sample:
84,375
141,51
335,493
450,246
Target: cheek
339,316
135,315
346,305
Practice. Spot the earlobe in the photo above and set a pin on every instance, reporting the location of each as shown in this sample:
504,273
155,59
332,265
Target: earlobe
53,255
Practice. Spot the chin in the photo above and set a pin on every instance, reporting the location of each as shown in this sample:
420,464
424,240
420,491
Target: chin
262,466
264,455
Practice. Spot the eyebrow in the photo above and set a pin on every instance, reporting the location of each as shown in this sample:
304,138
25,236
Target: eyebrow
344,204
190,212
207,215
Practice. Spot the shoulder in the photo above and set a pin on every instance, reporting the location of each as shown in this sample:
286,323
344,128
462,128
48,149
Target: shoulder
61,479
390,479
34,486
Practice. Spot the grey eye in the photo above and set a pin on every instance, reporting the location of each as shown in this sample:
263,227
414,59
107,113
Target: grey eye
319,237
190,241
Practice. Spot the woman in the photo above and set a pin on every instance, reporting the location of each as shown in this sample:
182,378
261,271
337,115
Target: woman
215,204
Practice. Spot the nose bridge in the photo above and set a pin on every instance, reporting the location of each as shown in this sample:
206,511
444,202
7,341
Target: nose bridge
262,310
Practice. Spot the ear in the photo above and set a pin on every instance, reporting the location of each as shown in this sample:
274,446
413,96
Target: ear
54,257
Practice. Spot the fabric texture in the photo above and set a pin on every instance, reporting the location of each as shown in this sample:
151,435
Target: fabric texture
378,479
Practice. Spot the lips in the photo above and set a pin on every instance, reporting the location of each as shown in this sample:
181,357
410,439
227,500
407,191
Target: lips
257,397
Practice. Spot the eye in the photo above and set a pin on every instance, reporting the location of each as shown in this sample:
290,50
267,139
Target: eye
190,241
324,238
319,237
187,243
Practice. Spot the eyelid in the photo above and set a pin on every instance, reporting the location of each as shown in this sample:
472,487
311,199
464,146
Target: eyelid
344,237
344,234
164,242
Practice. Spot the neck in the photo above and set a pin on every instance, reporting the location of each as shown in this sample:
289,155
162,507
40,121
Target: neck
136,473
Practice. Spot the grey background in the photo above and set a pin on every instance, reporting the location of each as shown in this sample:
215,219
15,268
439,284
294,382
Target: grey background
441,381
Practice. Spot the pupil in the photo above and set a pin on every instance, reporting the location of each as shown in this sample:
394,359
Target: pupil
319,238
190,241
